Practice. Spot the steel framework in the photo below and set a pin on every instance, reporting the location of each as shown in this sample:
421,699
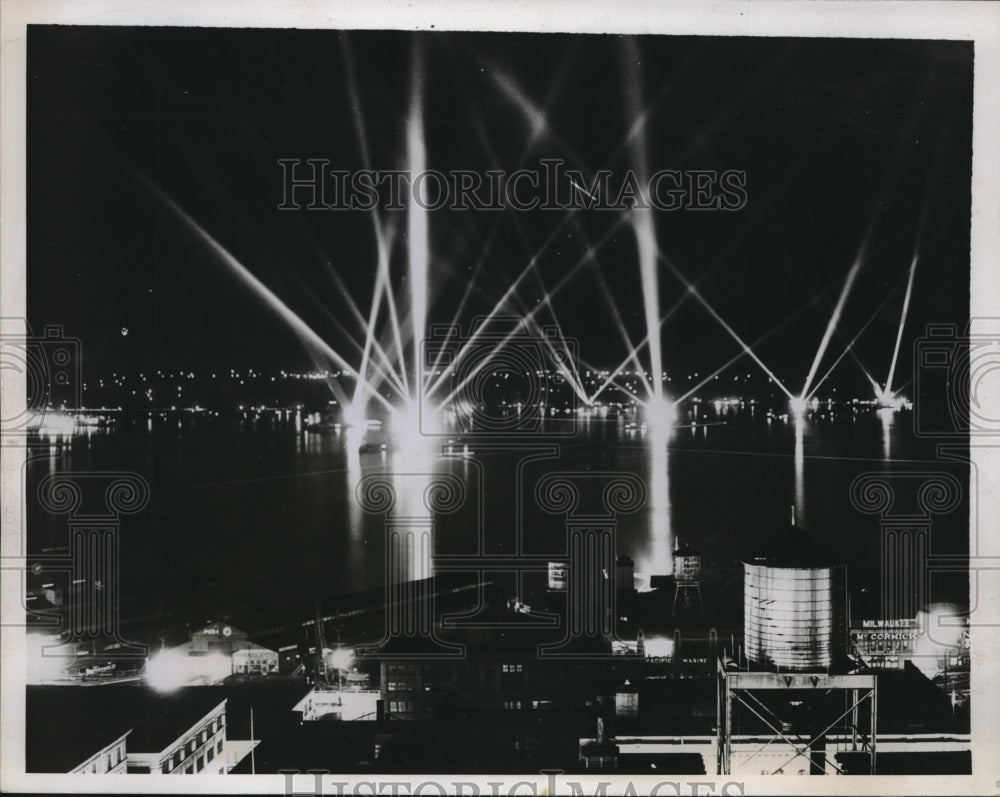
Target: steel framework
739,686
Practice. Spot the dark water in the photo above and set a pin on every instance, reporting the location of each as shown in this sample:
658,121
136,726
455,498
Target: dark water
246,516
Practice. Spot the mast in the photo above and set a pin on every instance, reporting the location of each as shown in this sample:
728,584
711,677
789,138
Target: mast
253,744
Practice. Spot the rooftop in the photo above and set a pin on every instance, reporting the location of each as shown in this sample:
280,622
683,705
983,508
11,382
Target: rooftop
252,647
219,629
62,720
59,738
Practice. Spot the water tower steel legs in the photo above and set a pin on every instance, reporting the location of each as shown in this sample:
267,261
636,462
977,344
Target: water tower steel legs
683,595
874,729
740,686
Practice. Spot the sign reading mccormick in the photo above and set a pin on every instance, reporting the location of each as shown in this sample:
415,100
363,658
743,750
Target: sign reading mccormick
885,644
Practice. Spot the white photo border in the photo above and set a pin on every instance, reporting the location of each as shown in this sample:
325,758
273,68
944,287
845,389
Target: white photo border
978,22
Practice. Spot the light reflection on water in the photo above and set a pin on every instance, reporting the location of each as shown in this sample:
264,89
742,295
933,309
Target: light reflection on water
886,415
260,514
412,466
353,438
800,471
659,544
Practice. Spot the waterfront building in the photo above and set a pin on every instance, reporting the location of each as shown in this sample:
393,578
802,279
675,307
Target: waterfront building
255,660
217,637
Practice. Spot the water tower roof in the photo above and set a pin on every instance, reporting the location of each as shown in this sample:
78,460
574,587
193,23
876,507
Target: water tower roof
794,547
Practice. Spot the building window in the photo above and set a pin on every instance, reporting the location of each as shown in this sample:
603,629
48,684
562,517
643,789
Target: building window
218,747
177,759
164,767
512,705
201,763
512,668
210,755
400,706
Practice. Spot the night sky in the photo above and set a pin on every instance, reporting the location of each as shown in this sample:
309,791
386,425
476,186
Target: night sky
842,141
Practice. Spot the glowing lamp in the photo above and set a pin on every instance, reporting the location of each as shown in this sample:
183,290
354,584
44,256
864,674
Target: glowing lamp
342,658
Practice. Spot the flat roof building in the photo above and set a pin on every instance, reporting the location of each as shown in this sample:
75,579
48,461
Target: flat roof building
54,745
128,728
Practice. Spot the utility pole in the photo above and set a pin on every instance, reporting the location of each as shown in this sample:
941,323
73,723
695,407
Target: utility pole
253,745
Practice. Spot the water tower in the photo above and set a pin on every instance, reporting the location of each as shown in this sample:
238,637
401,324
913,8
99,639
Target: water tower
794,605
687,580
793,679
